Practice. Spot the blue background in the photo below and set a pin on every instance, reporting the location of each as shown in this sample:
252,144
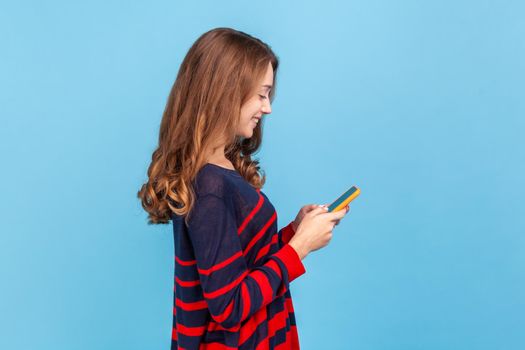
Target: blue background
419,103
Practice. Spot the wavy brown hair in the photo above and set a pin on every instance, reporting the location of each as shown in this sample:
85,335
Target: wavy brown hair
218,75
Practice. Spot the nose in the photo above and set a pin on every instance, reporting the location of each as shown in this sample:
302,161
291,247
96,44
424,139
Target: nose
266,107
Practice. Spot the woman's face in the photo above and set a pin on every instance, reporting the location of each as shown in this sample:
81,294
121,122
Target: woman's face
259,104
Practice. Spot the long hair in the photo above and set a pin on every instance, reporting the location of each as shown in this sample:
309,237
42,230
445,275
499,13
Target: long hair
218,75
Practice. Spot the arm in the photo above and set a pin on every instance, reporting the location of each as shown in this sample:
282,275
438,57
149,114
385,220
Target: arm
233,292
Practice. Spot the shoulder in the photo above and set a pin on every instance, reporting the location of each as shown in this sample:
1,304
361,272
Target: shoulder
210,181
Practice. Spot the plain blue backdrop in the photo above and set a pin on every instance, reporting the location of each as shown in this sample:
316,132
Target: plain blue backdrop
419,103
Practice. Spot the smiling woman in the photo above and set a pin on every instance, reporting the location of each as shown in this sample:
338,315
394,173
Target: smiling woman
233,266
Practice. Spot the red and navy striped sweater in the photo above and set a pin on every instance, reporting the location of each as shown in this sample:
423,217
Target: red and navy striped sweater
233,269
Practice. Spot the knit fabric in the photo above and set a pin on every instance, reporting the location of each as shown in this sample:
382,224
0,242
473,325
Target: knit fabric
233,269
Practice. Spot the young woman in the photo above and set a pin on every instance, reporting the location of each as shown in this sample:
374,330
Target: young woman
233,266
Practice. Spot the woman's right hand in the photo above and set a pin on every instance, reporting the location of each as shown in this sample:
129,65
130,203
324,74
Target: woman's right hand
315,230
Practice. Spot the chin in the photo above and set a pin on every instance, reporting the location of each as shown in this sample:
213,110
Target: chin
248,133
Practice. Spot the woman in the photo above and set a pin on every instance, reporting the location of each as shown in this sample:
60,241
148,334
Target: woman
232,266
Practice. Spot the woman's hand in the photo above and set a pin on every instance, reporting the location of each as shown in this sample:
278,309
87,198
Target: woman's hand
315,230
306,209
347,208
302,212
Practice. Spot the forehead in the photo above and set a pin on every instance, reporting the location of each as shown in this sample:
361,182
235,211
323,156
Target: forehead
267,80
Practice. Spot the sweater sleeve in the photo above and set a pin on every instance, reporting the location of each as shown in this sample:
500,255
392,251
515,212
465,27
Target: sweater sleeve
233,292
286,234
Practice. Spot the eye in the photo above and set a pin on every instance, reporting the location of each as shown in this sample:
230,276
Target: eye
262,96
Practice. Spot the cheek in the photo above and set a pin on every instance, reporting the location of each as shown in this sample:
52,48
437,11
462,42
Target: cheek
249,110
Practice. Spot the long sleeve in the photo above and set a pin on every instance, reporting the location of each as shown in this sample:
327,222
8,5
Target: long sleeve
286,234
233,292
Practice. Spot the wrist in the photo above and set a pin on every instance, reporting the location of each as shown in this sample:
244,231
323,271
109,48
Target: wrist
300,249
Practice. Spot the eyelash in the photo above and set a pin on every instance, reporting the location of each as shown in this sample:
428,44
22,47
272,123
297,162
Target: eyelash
261,96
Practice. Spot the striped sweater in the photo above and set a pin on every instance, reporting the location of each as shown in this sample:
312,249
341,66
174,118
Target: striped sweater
233,269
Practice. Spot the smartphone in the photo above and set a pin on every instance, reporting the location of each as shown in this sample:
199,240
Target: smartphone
344,199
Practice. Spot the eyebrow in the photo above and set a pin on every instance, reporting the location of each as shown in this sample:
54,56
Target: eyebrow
267,86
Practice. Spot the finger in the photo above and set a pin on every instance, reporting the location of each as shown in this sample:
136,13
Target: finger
334,215
339,214
310,207
319,210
